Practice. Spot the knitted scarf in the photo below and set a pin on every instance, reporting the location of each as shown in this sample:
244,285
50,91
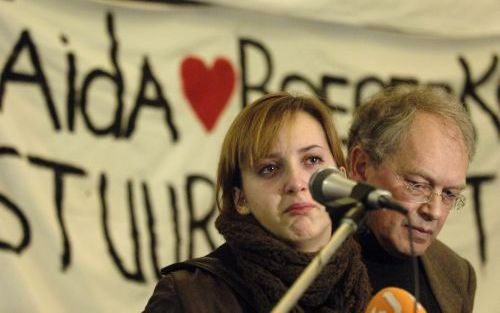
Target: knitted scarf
270,266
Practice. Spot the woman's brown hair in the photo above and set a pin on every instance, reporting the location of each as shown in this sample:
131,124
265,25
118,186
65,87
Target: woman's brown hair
253,133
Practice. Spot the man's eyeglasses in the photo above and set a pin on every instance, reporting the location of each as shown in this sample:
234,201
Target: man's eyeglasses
418,192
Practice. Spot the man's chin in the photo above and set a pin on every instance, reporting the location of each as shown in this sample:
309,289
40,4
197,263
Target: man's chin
418,249
403,250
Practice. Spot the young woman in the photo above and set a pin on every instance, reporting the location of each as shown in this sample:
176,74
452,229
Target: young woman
272,226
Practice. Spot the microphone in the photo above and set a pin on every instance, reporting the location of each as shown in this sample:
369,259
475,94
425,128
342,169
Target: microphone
394,300
328,185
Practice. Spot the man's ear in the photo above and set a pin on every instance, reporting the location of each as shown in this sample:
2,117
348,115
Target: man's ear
359,161
240,203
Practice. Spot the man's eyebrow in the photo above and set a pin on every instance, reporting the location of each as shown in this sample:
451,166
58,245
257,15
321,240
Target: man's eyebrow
432,181
458,188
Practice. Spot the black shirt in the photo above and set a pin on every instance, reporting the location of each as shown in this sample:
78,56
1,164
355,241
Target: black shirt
385,270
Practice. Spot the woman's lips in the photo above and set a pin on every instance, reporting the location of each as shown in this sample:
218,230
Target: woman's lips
299,208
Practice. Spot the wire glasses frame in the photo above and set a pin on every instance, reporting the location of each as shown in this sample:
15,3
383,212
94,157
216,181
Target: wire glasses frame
424,193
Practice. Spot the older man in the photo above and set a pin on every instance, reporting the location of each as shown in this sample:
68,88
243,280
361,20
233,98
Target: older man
416,142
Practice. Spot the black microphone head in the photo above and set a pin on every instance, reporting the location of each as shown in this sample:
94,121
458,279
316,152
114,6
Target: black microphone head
317,180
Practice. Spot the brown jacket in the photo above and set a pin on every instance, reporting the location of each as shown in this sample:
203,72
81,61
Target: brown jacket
203,285
451,277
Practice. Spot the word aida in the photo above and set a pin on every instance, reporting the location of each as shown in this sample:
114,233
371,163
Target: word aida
216,85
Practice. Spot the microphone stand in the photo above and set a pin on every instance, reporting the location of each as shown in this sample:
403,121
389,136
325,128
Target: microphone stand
348,225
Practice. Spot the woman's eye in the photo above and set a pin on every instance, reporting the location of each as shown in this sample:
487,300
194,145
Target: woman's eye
268,169
313,160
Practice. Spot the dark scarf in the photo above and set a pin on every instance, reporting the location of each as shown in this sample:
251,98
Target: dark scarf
269,266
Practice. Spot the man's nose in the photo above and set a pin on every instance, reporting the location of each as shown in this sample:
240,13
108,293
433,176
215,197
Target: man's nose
434,208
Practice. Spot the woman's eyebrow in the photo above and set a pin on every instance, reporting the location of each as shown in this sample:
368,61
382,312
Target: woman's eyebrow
310,147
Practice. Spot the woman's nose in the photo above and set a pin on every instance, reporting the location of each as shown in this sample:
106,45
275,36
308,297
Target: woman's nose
296,180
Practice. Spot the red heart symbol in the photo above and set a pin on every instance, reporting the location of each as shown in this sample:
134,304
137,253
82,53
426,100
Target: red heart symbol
207,89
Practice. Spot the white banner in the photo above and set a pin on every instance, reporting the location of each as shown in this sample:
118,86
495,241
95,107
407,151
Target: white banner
111,120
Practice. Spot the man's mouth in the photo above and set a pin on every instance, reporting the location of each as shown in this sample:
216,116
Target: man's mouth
420,234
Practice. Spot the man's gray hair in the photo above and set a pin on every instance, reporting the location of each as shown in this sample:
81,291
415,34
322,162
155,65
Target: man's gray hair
382,122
